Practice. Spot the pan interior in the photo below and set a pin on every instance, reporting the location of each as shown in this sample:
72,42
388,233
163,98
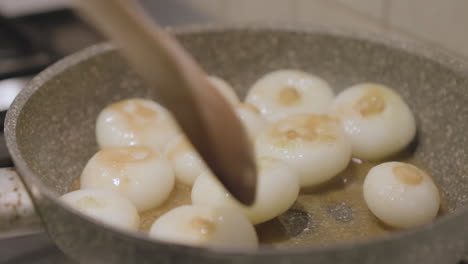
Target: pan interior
56,137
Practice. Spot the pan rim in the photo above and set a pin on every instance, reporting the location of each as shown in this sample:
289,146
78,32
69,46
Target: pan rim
39,190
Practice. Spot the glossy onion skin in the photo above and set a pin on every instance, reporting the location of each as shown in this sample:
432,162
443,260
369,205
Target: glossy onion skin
139,173
401,195
185,160
225,89
284,93
105,206
314,145
252,119
377,120
135,122
277,190
205,227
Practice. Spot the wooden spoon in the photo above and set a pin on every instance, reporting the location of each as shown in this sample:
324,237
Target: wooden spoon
204,115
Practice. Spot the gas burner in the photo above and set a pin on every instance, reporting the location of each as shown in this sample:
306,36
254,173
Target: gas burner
30,44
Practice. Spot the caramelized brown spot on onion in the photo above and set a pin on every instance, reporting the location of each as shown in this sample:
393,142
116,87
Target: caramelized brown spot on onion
320,122
291,134
122,182
203,226
249,107
124,155
372,103
178,148
267,162
307,127
289,96
135,112
90,202
408,174
328,138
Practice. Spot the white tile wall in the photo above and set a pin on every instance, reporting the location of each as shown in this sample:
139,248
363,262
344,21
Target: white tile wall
260,10
179,12
337,14
438,23
373,8
327,12
212,8
443,23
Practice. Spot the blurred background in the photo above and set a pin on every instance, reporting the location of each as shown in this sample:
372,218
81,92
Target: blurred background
437,23
36,33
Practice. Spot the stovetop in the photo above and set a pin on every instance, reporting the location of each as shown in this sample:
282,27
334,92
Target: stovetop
31,43
28,45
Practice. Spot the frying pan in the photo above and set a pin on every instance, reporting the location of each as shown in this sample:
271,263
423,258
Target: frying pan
50,136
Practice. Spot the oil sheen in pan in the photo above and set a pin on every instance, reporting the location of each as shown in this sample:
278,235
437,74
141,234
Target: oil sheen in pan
322,215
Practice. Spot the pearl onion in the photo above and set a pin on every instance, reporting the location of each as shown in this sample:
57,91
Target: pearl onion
136,172
204,226
135,122
185,160
283,93
252,119
401,195
379,123
105,206
225,89
314,145
277,190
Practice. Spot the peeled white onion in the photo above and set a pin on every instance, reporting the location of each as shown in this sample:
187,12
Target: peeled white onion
314,145
225,89
377,120
401,195
205,227
135,122
136,172
283,93
185,160
277,190
252,119
105,206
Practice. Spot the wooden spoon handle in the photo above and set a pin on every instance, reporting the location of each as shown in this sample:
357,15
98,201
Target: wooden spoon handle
204,115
